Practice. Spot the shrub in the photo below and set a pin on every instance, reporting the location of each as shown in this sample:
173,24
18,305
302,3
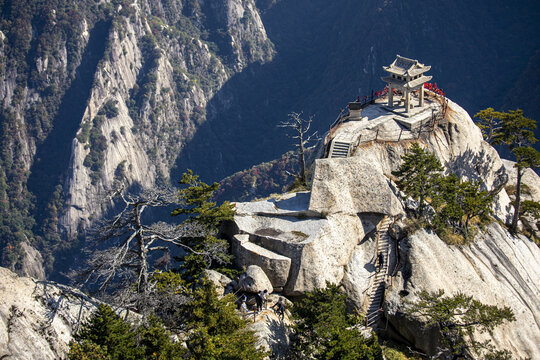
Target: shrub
109,109
324,330
110,333
106,336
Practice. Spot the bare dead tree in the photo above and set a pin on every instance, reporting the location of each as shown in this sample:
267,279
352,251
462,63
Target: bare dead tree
123,243
300,135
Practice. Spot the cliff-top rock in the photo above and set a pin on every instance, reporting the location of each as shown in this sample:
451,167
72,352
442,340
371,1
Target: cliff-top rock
331,233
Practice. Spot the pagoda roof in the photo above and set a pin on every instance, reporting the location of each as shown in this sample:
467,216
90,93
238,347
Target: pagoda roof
404,84
406,67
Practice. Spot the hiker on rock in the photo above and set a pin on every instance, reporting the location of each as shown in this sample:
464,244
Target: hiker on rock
264,296
380,259
279,308
259,300
243,306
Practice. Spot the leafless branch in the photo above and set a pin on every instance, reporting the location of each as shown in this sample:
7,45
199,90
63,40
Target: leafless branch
301,127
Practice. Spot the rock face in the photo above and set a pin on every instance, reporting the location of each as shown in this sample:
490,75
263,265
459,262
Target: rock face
331,234
274,265
529,178
254,280
37,318
273,334
318,248
530,191
497,269
32,262
132,138
351,186
223,284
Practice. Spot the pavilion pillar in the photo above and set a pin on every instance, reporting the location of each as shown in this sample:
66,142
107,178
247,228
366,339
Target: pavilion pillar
421,104
391,97
407,101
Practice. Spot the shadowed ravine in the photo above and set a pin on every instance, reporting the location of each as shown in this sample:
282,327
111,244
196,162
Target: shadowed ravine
52,157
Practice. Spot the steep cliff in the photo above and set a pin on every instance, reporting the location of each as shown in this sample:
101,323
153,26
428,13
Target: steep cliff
497,269
99,92
37,318
336,231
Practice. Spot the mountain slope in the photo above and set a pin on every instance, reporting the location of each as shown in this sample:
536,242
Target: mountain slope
338,232
95,92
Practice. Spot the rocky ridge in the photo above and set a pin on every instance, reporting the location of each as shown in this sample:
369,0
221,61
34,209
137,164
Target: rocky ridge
329,234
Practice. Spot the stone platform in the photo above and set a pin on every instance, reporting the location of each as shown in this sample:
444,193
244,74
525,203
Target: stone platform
381,122
400,109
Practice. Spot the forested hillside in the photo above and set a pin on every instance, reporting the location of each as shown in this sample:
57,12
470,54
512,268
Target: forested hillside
94,93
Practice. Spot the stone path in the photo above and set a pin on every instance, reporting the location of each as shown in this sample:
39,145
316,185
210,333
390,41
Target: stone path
378,287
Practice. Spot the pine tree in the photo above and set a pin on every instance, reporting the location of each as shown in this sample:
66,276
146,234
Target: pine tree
126,242
418,174
203,213
122,246
324,330
106,336
526,157
113,335
155,340
457,202
489,123
215,330
87,350
457,318
517,132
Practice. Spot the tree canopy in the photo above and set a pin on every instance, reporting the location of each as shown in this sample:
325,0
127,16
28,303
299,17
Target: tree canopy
216,331
454,201
121,258
457,318
489,123
515,131
457,202
106,336
201,210
324,330
417,176
210,328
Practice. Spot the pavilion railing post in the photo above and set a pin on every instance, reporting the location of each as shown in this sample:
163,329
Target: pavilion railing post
401,132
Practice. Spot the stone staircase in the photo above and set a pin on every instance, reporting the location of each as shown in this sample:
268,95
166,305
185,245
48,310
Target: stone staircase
340,147
379,284
343,144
